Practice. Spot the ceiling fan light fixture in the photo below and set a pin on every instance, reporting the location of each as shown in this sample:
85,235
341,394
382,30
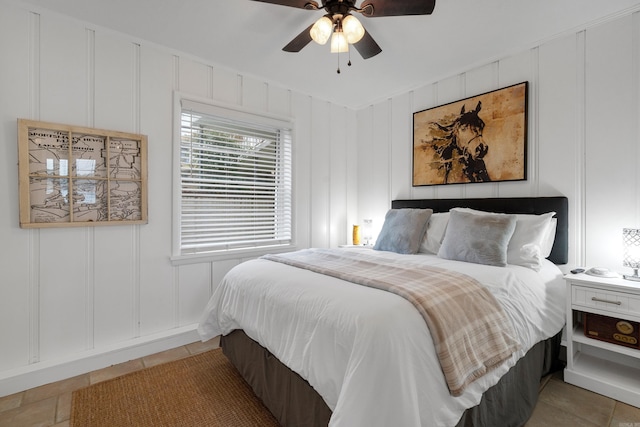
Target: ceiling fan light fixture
339,42
352,28
321,30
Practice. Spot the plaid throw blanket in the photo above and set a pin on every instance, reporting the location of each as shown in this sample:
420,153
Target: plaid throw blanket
470,330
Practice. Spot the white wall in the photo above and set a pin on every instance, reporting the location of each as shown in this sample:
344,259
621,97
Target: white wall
73,299
583,143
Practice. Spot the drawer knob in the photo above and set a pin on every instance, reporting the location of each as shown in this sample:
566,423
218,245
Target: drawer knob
607,301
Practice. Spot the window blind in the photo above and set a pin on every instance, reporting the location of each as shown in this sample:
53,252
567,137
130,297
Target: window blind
236,182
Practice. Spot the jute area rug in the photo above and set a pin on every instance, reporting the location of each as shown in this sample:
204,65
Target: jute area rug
200,390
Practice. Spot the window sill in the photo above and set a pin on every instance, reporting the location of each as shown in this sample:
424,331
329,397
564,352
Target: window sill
229,254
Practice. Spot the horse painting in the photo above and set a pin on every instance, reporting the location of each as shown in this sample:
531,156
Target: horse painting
461,148
453,144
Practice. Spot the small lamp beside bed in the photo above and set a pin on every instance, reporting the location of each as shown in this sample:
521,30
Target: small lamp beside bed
631,240
363,235
367,231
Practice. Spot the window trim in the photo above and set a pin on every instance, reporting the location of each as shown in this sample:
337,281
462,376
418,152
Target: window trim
209,106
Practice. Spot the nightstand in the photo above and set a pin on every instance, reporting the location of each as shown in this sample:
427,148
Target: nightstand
605,368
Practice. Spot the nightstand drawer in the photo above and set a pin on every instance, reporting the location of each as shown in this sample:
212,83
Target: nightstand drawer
606,300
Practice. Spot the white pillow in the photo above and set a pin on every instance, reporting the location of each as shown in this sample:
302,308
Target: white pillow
550,238
529,241
435,233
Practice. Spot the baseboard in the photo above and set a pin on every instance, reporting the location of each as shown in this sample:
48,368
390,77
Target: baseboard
41,373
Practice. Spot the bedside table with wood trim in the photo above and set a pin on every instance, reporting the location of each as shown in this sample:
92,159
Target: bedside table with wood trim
604,357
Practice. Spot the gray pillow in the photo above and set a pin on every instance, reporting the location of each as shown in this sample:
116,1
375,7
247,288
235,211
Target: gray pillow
403,230
481,239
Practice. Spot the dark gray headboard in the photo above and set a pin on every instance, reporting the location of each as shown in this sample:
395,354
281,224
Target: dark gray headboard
525,205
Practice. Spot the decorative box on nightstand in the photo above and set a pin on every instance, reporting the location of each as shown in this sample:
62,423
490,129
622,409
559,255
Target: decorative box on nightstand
597,365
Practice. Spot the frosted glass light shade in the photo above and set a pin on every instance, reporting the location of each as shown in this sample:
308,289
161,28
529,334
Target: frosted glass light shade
631,239
367,231
353,29
339,42
321,30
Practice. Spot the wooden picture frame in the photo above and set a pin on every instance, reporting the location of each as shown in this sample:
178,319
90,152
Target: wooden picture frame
477,139
77,176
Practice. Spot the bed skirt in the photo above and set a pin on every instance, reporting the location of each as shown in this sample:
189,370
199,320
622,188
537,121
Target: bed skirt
296,404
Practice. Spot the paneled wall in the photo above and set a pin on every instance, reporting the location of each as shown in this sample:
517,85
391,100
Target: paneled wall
76,298
104,294
584,135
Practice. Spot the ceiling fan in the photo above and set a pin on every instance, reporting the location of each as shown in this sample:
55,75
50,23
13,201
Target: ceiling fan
343,28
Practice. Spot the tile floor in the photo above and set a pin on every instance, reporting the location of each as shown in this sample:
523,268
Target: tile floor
559,404
564,405
50,405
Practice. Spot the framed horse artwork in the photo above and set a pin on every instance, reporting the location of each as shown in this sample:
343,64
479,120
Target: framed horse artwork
478,139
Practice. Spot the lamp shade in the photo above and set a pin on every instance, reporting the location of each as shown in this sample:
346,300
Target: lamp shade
352,28
367,231
631,241
321,30
339,42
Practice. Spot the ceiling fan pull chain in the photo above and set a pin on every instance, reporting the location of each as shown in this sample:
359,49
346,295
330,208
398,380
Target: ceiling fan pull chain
349,63
338,70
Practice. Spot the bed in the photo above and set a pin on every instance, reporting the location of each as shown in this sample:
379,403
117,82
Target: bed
320,350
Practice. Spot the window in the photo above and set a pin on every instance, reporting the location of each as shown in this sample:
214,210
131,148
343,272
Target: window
235,180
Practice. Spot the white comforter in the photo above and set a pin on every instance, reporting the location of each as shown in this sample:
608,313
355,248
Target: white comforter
368,352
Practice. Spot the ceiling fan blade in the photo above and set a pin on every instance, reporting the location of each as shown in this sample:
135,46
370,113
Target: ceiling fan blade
302,4
367,46
300,41
376,8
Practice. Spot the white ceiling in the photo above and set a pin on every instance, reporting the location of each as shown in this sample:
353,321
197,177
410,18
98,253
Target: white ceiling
248,36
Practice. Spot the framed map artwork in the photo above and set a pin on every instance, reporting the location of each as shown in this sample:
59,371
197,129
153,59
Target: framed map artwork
75,176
